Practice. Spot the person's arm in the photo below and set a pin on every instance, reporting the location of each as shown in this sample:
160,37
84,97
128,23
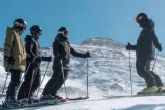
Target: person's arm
76,54
155,40
8,42
131,47
29,46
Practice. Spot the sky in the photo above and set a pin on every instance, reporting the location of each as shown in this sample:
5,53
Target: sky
84,18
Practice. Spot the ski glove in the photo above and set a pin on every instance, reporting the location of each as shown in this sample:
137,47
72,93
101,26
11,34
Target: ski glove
160,47
10,60
38,59
87,55
49,59
129,46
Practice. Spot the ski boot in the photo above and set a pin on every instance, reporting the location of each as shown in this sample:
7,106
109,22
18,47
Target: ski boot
57,97
161,89
23,101
148,91
10,101
46,97
34,100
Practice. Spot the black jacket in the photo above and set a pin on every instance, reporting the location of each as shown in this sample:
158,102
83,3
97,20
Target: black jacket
32,47
146,43
62,51
33,52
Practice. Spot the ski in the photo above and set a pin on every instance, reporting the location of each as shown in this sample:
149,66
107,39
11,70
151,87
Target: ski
79,98
51,102
35,104
2,95
136,95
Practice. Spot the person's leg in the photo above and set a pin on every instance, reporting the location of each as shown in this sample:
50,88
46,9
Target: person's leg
14,84
158,80
36,82
59,83
51,83
143,66
23,92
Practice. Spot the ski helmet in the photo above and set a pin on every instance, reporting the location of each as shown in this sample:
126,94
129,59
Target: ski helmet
142,19
20,24
35,28
63,30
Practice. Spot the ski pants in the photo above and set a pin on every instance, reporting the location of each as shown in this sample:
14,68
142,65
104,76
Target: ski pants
56,82
143,69
14,83
31,82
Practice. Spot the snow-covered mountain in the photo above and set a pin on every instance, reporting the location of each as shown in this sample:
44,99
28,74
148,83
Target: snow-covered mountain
103,42
108,70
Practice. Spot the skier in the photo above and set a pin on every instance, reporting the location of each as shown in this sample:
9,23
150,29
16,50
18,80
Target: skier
14,57
62,51
34,58
145,53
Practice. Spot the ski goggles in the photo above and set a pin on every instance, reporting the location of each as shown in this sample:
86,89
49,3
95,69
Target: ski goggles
20,25
64,32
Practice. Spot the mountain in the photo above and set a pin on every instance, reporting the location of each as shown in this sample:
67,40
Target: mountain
1,49
106,42
109,75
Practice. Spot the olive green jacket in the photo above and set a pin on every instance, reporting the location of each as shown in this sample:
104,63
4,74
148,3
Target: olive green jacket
13,47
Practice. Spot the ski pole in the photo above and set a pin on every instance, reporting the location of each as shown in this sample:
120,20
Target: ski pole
155,61
6,79
62,71
87,77
130,71
26,72
43,78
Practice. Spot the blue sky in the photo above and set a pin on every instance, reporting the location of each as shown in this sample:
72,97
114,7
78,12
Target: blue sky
84,18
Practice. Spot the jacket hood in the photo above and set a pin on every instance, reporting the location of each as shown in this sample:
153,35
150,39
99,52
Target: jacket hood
28,38
152,24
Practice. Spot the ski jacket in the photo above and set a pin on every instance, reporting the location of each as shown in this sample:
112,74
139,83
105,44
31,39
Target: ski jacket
146,43
32,47
33,52
13,47
62,50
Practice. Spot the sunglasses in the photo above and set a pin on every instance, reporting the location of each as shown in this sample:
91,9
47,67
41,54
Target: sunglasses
66,32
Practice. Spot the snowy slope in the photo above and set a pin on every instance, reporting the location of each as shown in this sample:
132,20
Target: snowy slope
108,76
140,103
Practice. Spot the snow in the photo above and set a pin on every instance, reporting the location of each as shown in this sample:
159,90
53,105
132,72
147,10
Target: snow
133,103
108,76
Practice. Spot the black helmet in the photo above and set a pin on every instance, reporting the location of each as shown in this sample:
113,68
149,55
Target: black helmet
142,19
35,28
62,29
20,24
